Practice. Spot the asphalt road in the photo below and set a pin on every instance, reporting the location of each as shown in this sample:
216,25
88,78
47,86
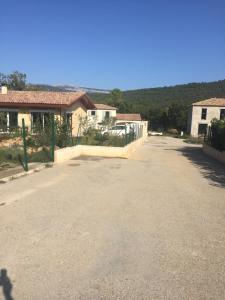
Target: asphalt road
152,227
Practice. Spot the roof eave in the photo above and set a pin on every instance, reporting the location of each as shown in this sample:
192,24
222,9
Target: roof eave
44,105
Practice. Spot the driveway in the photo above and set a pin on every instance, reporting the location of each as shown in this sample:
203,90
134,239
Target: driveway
151,227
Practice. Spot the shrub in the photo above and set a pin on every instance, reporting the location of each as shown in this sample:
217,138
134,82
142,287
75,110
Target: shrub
10,154
216,134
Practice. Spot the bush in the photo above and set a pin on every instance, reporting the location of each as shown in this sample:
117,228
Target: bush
10,154
216,134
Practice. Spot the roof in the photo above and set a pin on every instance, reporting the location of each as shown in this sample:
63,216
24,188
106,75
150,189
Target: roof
211,102
104,106
129,117
39,98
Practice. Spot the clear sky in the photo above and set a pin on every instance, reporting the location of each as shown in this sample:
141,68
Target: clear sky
113,43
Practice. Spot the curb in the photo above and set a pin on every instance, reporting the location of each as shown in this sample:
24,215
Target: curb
24,173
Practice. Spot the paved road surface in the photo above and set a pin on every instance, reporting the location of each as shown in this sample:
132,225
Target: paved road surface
148,228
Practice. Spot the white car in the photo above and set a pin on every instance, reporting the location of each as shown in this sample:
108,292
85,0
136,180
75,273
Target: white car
119,130
155,133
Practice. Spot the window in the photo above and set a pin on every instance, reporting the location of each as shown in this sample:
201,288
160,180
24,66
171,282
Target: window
13,119
222,114
8,120
202,129
40,120
36,120
107,115
67,118
93,112
3,121
204,113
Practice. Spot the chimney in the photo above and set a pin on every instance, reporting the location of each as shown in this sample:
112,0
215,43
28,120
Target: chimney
4,90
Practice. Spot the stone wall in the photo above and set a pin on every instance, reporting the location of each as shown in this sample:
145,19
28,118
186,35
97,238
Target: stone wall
220,156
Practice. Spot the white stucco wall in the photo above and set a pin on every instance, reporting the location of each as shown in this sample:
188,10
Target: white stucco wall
195,117
100,115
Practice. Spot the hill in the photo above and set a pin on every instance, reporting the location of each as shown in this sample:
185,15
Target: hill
187,93
164,107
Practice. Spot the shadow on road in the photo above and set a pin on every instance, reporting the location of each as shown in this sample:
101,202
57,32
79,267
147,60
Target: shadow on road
6,284
210,168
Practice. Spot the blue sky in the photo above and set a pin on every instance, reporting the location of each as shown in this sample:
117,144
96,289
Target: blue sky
114,43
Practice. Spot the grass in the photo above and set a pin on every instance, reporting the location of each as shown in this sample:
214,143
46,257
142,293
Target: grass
11,157
10,154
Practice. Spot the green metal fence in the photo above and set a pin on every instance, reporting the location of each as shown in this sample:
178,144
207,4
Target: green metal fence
110,137
38,144
22,147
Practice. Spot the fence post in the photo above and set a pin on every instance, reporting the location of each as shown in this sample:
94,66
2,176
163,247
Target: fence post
125,134
78,133
25,163
52,137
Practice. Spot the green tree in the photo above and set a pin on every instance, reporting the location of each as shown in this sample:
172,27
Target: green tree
177,115
116,97
17,81
3,79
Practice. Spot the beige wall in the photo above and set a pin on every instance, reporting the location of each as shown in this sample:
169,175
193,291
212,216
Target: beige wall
220,156
195,117
24,114
78,111
68,153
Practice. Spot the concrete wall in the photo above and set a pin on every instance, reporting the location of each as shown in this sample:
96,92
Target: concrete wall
145,128
220,156
68,153
195,115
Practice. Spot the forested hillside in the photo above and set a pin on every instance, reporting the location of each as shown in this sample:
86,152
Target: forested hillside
164,107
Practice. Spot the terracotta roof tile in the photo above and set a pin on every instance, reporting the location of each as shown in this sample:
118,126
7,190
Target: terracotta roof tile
129,117
104,106
42,98
211,102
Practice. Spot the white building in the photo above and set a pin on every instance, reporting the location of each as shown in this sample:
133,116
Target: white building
128,118
201,114
101,113
141,126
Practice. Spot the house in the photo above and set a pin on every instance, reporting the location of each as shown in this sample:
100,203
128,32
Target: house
128,118
35,107
100,113
201,114
141,125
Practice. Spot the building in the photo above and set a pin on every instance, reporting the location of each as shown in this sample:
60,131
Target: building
128,118
35,107
202,113
100,113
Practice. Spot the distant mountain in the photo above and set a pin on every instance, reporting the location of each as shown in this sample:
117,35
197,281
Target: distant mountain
85,89
65,88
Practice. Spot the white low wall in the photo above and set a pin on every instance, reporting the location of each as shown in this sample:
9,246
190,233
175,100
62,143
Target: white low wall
68,153
220,156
